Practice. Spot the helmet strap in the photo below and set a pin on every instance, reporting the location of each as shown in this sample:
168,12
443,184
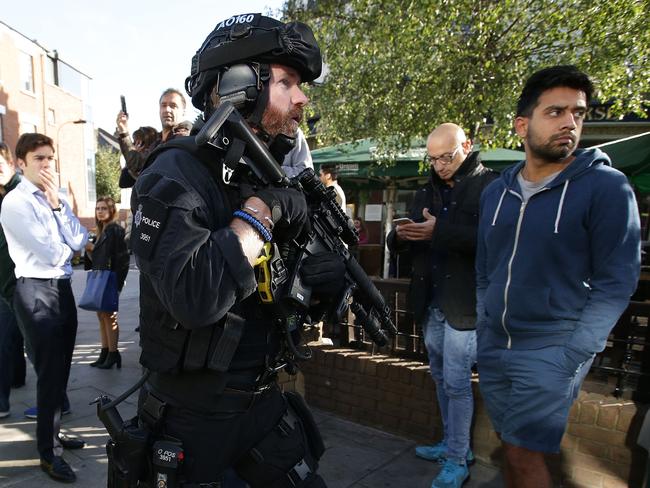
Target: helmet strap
255,118
281,146
207,103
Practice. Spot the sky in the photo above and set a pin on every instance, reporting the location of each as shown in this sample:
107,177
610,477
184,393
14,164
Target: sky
134,48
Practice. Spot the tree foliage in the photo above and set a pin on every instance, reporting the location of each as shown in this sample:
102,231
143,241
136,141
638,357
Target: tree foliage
399,68
107,173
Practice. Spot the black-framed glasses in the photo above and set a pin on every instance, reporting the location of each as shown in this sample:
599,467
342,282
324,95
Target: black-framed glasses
444,159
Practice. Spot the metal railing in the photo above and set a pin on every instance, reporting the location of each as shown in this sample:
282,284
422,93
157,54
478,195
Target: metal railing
624,364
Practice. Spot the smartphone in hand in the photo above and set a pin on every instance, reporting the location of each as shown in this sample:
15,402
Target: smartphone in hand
402,221
123,102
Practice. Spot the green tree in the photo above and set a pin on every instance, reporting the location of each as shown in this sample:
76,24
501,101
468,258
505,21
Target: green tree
107,173
398,68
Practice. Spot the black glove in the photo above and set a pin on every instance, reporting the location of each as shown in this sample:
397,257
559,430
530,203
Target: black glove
288,210
324,272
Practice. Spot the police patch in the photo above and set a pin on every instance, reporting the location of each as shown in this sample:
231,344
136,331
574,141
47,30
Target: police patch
148,221
138,216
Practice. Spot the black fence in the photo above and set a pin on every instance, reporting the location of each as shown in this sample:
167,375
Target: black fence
622,369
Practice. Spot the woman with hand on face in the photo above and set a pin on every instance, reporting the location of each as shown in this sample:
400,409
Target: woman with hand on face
108,252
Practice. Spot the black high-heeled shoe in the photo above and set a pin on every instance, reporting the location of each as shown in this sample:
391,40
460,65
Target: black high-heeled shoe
102,357
112,358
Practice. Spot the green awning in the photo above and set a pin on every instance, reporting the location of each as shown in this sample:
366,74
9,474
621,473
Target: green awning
359,159
631,155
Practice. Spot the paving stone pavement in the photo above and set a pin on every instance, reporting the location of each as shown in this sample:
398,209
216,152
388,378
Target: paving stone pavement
356,456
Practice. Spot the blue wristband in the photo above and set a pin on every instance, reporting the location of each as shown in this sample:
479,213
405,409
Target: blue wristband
256,224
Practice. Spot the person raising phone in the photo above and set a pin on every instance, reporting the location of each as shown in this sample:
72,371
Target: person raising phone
171,110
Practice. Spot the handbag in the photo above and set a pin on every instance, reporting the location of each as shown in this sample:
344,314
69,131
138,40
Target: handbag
100,294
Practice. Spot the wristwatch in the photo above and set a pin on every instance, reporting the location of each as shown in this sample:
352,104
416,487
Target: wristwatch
59,208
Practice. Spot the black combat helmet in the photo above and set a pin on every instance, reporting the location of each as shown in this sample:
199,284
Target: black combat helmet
236,57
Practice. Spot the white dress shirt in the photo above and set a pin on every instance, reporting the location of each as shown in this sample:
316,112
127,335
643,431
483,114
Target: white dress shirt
41,242
340,195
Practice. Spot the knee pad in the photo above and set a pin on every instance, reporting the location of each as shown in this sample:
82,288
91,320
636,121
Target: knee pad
288,456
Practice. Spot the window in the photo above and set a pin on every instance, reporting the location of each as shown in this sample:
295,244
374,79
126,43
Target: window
69,79
50,70
90,175
64,76
51,116
26,72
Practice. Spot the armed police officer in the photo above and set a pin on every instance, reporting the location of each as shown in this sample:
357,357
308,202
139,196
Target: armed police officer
206,337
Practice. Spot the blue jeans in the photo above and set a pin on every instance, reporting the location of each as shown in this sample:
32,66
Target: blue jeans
451,356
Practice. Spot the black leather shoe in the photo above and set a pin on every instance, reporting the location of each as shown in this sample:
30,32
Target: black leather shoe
71,442
58,470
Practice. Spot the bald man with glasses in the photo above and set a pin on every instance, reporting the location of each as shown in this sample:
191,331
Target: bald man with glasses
442,243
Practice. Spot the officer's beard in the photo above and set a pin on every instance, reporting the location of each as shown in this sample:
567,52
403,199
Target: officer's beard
276,122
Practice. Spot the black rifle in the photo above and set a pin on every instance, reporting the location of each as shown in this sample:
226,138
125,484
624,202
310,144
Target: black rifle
331,229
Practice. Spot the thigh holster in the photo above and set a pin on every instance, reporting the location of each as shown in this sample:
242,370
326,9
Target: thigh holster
288,456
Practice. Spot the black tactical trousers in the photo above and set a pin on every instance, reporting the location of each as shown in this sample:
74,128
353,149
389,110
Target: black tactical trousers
223,438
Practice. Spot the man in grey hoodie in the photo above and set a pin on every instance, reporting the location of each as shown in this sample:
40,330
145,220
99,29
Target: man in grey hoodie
558,258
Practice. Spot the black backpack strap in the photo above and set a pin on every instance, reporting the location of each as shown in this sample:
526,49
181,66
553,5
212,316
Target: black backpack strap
211,157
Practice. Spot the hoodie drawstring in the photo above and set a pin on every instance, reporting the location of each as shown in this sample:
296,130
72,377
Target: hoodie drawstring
559,208
496,212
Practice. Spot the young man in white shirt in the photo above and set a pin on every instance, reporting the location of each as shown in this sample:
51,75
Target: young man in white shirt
329,177
42,235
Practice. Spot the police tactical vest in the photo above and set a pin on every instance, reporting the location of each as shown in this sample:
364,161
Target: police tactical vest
240,340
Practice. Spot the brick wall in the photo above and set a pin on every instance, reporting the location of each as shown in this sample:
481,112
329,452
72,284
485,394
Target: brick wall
397,395
31,108
69,146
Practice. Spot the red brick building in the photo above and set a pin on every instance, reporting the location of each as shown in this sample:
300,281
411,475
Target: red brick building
39,92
